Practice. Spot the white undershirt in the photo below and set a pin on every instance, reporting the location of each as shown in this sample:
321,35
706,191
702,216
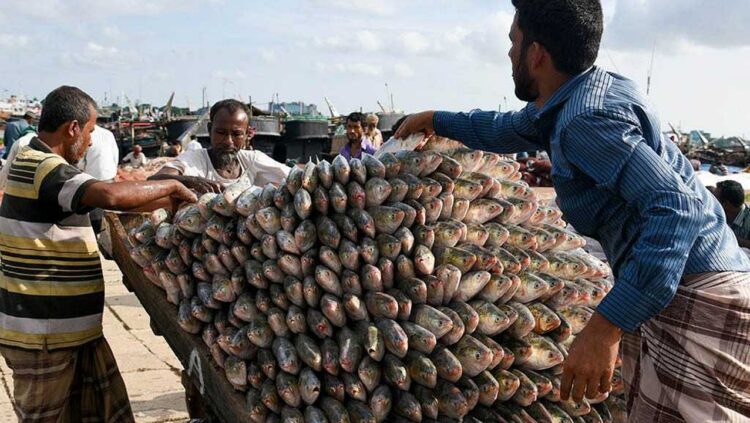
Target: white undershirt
256,166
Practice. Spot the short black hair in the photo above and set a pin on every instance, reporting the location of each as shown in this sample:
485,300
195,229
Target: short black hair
65,104
355,117
732,192
231,105
570,30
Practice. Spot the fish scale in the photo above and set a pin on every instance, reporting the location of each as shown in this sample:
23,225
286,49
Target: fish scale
416,285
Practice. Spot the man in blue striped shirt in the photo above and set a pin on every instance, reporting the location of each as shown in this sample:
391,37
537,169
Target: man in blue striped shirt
681,301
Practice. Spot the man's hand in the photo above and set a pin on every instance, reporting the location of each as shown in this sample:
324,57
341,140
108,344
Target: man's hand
200,185
591,360
136,196
417,122
195,183
181,194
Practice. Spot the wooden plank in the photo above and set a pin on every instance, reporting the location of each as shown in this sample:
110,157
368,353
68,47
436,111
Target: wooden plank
207,377
195,403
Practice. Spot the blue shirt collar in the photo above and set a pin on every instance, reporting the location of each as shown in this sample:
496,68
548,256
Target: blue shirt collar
741,216
562,93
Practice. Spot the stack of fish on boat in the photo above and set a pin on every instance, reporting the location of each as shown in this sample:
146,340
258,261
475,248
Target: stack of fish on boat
411,286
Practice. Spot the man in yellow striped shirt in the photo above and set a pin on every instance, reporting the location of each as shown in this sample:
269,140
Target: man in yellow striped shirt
51,285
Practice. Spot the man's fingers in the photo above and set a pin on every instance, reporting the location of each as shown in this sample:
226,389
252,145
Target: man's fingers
401,129
199,189
191,197
207,186
400,132
187,196
565,384
408,127
579,388
592,387
423,142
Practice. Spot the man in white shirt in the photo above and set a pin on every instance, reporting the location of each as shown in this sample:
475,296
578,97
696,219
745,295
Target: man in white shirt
193,145
135,158
372,132
100,162
210,170
102,156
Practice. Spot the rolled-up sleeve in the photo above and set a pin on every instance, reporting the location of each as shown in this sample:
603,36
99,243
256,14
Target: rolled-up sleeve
615,155
504,133
63,185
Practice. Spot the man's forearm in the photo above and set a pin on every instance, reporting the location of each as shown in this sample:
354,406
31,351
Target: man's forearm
127,195
195,183
161,203
487,130
163,176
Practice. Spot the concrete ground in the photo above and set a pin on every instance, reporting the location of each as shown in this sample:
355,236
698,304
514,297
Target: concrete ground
150,369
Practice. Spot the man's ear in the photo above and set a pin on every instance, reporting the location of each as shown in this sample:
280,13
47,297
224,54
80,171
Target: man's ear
537,54
73,129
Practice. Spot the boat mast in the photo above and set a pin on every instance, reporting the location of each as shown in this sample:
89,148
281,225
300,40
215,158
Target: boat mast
650,70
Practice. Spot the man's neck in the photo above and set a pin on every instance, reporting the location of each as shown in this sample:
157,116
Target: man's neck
549,86
48,139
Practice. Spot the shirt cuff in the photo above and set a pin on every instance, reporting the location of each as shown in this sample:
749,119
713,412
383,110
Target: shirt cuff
627,307
442,123
72,191
76,205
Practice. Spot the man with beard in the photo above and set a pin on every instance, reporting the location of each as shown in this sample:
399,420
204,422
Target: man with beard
51,284
681,300
372,132
210,170
357,141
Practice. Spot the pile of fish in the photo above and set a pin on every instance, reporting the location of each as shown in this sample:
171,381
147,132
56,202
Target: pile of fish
129,173
414,286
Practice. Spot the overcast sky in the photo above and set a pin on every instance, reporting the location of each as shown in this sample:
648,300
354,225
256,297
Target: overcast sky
443,54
